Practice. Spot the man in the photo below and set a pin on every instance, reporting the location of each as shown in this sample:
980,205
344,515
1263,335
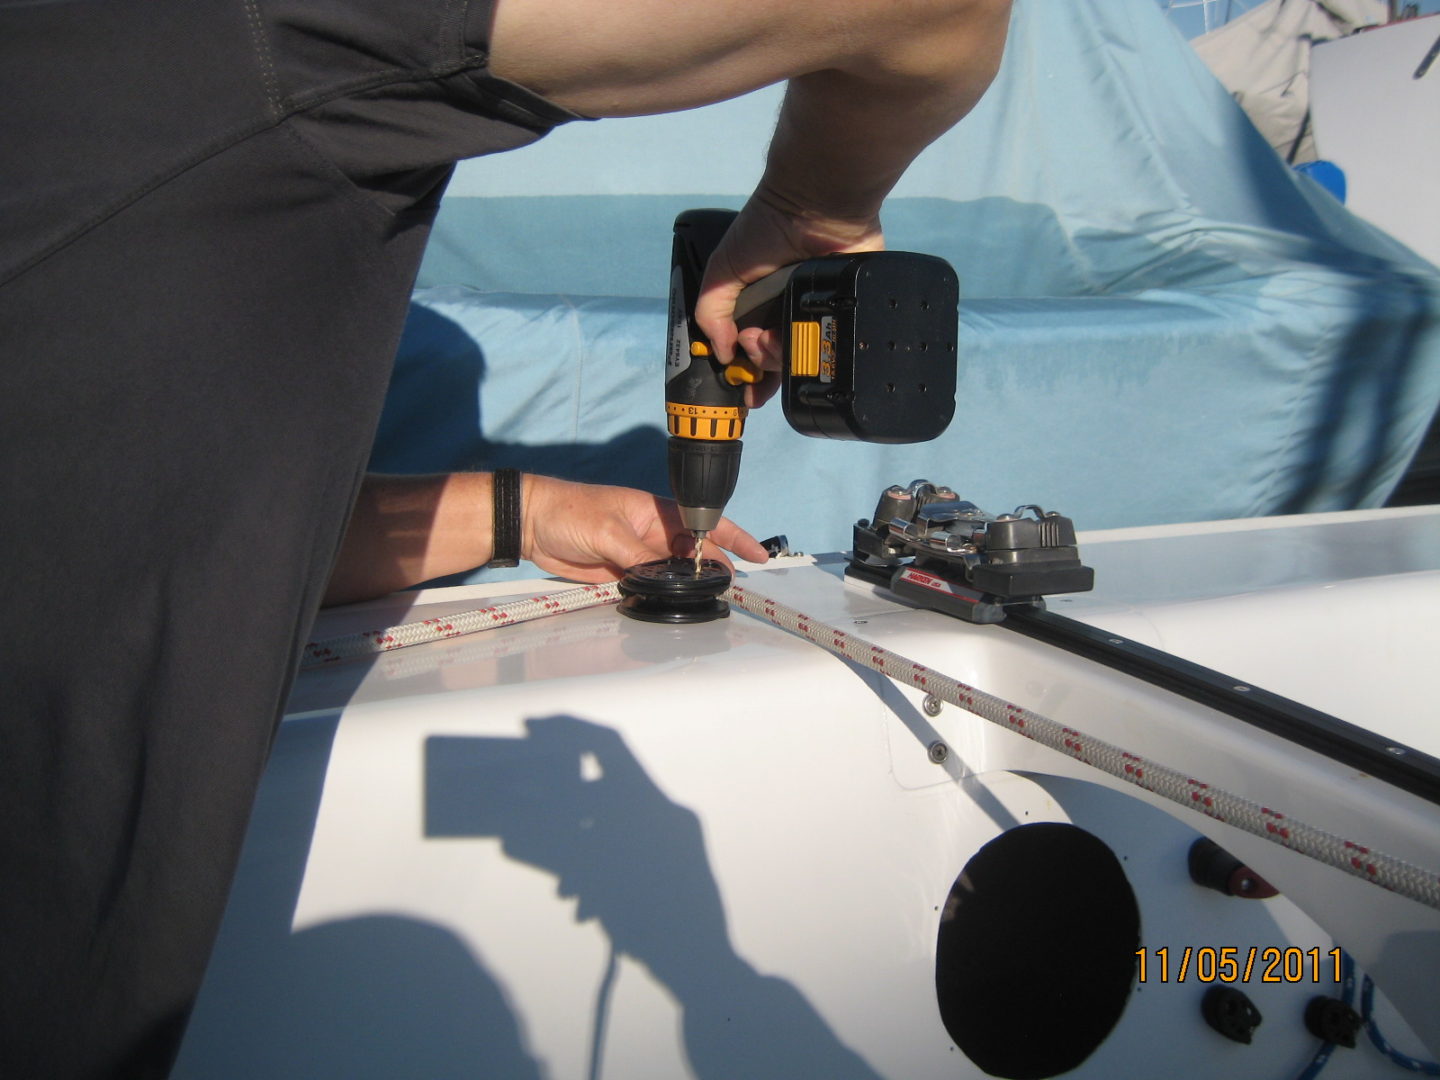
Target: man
211,215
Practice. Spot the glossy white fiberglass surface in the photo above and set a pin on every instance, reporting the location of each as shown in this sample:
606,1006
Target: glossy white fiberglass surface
590,846
1340,612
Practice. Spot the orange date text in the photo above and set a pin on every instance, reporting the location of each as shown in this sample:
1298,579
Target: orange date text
1234,964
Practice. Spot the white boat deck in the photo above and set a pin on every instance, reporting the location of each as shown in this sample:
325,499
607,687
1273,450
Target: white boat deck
589,846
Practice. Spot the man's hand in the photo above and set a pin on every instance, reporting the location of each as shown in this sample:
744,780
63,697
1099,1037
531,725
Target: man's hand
593,532
409,529
768,234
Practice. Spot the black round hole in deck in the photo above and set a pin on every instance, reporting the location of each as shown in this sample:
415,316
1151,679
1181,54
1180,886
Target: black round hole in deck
1036,952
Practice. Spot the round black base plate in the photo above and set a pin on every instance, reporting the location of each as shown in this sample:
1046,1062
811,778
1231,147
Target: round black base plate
671,591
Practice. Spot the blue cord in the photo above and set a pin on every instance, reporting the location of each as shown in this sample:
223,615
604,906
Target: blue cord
1405,1061
1318,1062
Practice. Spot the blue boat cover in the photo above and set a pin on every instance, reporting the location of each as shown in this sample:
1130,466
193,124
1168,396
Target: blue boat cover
1160,322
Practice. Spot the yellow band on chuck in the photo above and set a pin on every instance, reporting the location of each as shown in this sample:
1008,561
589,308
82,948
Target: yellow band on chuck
713,422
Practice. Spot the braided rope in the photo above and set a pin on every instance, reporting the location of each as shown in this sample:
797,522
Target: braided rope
1369,865
370,642
409,663
1362,862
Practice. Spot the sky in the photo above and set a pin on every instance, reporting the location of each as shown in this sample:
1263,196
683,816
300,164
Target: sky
1189,15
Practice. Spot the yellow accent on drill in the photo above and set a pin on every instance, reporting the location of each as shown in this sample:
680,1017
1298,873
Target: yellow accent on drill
699,348
715,423
805,348
741,372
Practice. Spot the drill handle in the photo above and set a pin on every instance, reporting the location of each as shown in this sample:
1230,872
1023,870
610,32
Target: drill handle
762,303
694,378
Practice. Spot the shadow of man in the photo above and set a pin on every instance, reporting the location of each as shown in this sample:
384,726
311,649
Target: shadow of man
571,799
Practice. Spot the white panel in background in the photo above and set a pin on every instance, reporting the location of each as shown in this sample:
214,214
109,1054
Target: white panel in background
1381,125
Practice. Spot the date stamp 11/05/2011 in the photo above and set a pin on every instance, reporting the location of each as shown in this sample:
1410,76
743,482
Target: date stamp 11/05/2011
1238,964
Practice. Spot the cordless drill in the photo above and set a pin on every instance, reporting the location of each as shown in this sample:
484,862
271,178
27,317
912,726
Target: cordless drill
869,342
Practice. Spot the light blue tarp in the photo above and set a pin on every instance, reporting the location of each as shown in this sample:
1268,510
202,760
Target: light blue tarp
1159,321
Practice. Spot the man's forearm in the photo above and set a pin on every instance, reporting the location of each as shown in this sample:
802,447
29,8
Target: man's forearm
409,529
845,135
901,77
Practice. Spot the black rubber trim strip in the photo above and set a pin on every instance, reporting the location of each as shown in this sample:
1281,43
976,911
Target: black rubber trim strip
1401,766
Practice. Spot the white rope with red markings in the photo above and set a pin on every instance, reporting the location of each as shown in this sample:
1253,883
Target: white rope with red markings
371,642
1358,860
1374,866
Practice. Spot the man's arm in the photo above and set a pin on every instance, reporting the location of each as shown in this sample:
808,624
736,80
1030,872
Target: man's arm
409,529
870,85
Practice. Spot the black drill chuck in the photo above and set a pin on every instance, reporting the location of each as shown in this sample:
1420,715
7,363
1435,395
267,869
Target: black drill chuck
703,476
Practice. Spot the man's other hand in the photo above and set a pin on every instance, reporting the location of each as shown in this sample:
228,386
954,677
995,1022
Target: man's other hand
593,532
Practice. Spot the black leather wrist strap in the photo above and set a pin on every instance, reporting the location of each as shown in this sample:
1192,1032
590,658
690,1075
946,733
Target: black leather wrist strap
505,489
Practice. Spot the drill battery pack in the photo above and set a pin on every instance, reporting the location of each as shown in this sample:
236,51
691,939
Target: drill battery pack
870,343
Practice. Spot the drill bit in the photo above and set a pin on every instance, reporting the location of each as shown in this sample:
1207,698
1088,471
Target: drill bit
699,535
